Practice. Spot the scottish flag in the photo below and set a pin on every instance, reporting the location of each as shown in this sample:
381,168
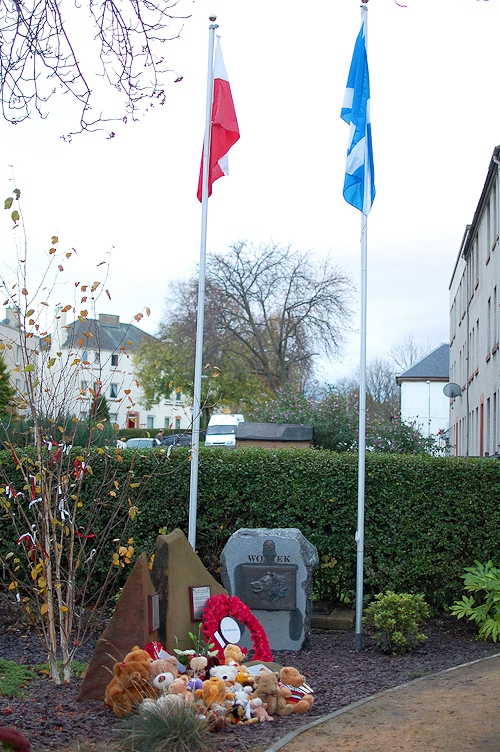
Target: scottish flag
359,185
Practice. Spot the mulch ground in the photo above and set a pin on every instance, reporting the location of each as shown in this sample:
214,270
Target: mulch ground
52,719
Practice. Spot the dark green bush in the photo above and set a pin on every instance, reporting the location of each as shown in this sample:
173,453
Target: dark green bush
426,519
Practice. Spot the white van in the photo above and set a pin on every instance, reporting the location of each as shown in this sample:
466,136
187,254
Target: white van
221,430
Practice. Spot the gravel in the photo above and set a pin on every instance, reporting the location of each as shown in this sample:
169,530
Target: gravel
52,719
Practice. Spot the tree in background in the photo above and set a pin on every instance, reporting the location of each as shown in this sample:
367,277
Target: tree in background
407,353
6,389
270,311
40,53
334,417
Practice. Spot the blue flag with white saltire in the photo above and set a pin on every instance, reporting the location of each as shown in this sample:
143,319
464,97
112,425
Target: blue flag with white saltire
359,185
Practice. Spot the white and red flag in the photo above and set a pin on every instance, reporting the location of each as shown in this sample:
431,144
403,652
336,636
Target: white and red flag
224,125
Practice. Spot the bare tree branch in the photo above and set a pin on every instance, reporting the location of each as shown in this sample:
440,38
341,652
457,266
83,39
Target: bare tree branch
38,58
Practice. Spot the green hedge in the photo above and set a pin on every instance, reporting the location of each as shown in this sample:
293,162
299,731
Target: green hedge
426,517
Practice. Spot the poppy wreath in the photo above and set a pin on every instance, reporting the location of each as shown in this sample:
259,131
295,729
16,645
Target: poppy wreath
219,606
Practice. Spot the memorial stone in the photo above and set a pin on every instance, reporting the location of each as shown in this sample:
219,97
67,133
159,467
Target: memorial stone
130,625
179,576
271,571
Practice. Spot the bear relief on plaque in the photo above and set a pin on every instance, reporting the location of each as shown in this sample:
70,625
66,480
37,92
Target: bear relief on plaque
268,581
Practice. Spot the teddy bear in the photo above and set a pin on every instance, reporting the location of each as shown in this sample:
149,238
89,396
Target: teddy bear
214,692
197,671
267,689
180,688
298,695
259,710
130,683
162,672
233,654
226,673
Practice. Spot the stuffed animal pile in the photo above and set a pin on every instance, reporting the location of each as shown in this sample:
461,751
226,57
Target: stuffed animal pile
224,694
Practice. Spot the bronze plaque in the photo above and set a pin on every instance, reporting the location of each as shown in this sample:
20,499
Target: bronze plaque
267,586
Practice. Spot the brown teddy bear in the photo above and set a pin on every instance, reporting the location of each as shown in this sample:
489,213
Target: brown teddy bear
266,687
179,688
213,692
298,694
130,683
162,672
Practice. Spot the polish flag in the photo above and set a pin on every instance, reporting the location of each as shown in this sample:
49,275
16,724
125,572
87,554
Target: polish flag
225,130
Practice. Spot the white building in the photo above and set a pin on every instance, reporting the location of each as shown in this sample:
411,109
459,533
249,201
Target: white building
12,349
474,327
103,348
422,397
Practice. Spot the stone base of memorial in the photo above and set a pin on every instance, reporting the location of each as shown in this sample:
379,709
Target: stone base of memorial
271,571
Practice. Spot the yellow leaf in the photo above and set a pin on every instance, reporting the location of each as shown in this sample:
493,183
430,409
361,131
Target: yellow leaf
116,560
127,391
63,609
83,313
116,484
44,608
133,512
138,316
30,312
66,309
119,458
170,384
42,582
130,552
80,504
100,450
113,493
100,427
148,311
13,585
135,485
34,574
122,551
95,285
54,240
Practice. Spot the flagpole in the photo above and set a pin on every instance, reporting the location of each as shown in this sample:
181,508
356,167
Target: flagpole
360,528
198,365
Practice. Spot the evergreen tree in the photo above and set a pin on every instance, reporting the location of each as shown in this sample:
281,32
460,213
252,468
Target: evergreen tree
6,390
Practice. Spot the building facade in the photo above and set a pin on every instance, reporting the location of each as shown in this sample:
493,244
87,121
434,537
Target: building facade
422,399
474,328
104,350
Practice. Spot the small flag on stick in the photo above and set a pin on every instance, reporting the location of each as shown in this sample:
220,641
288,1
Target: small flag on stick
359,185
224,126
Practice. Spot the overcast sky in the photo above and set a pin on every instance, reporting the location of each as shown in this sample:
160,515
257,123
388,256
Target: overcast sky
435,119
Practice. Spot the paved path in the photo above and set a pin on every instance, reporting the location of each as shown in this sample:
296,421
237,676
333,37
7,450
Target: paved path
457,710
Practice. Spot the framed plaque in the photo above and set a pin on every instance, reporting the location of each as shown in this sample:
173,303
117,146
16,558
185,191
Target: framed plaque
198,597
153,612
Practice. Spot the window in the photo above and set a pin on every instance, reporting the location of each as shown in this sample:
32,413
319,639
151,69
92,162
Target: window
166,423
97,357
150,421
114,361
113,391
19,354
177,423
84,385
85,356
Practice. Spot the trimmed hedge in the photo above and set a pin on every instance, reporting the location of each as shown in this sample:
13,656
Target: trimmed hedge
426,518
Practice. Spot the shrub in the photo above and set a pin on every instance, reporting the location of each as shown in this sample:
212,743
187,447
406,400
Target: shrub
484,580
178,729
396,619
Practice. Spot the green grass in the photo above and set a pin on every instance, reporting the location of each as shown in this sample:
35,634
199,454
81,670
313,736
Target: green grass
13,678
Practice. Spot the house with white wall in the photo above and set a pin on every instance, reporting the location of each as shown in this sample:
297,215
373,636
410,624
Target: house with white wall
422,399
11,350
104,348
474,327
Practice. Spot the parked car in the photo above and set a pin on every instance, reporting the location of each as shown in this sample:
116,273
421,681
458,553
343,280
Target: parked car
141,443
177,439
